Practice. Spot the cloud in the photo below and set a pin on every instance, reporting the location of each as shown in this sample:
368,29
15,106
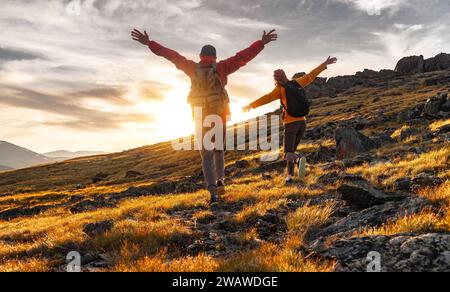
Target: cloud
72,114
82,71
7,54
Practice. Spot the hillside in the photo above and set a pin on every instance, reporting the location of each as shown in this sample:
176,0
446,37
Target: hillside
3,168
14,156
145,209
65,155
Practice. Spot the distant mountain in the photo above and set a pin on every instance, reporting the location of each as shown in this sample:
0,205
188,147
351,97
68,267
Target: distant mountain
64,155
3,168
13,156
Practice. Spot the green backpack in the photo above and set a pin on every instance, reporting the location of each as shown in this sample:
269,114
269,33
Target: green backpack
208,92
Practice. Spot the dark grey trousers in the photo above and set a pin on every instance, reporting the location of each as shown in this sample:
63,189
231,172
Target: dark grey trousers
213,161
293,134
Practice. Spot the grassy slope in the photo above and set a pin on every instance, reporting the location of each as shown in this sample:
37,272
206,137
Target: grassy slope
153,233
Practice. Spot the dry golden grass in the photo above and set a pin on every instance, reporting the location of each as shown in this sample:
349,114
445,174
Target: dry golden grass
435,160
429,220
148,237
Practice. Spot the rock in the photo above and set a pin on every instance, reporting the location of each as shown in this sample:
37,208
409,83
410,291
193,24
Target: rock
446,106
382,140
324,154
425,180
399,253
408,115
133,174
23,212
350,143
348,163
99,177
410,65
187,187
403,184
242,164
407,133
362,195
90,205
80,186
269,167
329,178
99,228
433,106
443,130
374,217
438,63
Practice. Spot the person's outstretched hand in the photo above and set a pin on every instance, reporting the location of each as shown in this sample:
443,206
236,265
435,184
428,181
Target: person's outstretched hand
143,38
331,61
246,109
269,37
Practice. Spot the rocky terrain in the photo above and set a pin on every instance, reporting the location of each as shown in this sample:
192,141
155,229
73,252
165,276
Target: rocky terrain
378,181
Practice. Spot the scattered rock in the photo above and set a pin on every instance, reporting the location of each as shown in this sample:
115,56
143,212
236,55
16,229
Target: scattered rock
375,216
350,143
409,114
443,130
23,212
99,177
362,195
99,228
324,154
187,187
329,178
433,106
403,184
382,140
80,186
424,180
400,253
408,133
90,205
133,174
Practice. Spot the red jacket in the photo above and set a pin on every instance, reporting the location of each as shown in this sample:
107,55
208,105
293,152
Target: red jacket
224,68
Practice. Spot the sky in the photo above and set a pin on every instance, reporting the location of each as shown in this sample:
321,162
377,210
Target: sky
71,77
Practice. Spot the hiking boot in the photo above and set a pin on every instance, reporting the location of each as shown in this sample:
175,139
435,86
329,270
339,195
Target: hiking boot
302,168
214,196
221,188
289,181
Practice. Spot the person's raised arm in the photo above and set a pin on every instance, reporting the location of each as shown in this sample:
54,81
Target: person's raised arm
306,80
266,99
183,64
241,59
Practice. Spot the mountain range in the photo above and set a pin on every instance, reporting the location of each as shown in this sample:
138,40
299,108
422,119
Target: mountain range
15,157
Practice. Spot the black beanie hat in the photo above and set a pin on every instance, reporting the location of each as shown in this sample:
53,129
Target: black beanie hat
209,50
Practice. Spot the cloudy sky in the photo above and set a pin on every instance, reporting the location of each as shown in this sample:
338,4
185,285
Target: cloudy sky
72,78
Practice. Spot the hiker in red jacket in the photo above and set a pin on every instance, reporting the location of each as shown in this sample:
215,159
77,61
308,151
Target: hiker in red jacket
208,95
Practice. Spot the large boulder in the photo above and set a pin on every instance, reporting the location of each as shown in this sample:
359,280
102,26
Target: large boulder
399,253
361,195
410,65
350,143
433,106
438,63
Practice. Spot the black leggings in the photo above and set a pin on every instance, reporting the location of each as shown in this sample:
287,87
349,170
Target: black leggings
293,134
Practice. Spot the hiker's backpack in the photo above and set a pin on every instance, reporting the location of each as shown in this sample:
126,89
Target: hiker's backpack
297,104
208,92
